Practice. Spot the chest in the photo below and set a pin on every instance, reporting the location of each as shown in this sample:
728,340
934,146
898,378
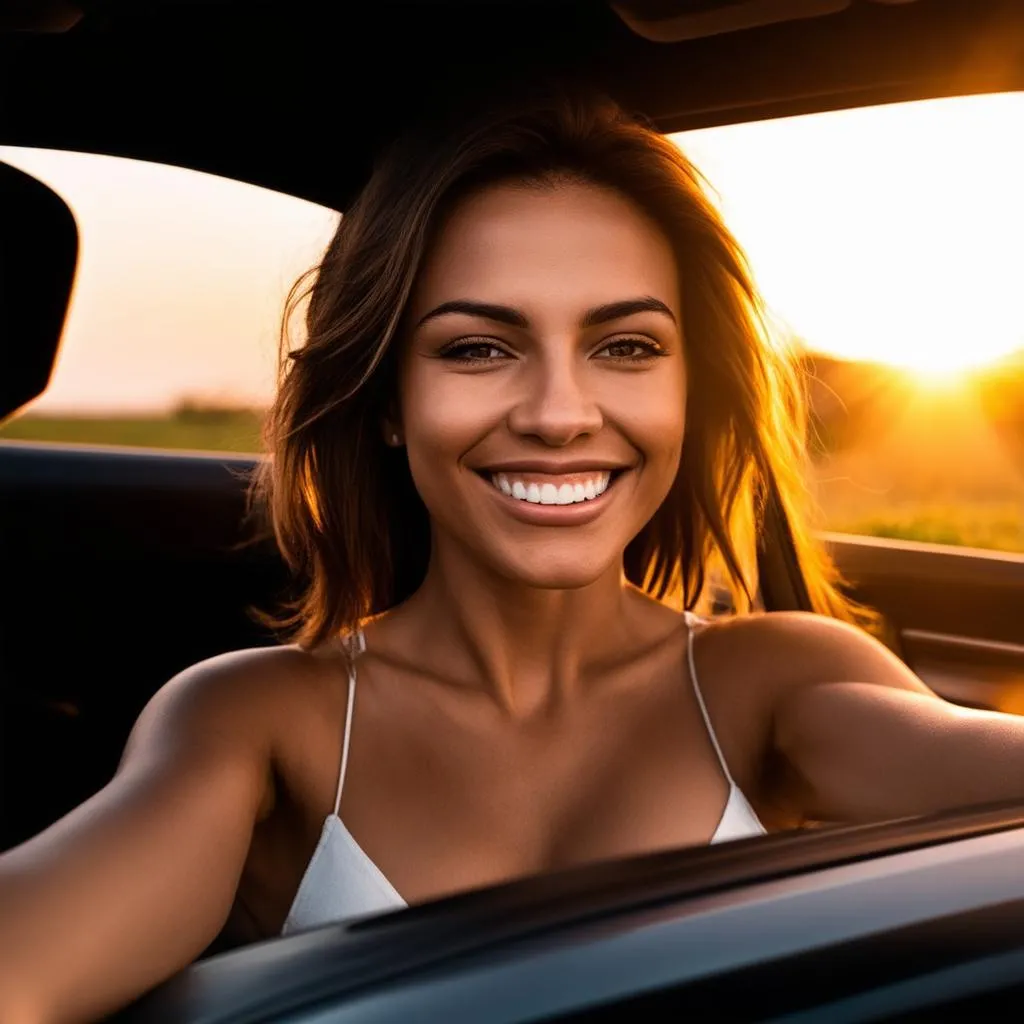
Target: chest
442,799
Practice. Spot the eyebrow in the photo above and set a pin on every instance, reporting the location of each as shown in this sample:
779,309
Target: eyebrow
624,308
517,318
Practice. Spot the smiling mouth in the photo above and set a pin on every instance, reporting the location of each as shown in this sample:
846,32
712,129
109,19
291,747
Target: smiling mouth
550,489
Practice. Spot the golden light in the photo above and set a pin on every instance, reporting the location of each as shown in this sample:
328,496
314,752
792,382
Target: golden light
180,286
890,234
938,380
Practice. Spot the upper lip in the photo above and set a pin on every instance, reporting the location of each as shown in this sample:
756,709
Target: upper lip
555,468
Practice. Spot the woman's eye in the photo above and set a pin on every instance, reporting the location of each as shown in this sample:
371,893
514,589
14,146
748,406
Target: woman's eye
473,352
622,350
626,349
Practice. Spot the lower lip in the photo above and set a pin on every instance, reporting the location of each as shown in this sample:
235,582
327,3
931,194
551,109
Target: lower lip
555,515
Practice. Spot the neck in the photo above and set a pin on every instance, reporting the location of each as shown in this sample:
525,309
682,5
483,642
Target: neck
530,649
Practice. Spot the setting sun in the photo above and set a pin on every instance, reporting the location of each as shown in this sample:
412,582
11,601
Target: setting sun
890,234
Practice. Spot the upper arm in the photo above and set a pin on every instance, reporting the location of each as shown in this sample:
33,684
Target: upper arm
134,883
870,741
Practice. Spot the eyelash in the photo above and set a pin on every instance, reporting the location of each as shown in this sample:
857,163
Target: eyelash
651,350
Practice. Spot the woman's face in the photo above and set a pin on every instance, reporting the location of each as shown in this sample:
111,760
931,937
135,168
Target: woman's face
543,356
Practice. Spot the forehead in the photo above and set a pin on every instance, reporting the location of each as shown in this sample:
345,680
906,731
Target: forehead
531,243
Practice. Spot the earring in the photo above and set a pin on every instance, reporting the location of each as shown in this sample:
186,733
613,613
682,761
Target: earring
394,439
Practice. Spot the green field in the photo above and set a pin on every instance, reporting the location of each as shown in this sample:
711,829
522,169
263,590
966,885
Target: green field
902,504
997,526
227,431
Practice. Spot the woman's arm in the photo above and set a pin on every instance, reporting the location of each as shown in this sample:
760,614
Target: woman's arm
132,885
870,741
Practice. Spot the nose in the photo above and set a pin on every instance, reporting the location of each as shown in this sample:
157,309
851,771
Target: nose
557,403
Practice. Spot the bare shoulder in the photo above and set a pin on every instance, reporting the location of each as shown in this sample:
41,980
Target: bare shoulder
763,661
771,661
789,650
783,683
236,685
240,701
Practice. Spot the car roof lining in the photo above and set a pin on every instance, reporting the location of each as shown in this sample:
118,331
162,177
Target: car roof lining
256,90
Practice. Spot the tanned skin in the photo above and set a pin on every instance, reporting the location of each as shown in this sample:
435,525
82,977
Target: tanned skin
527,709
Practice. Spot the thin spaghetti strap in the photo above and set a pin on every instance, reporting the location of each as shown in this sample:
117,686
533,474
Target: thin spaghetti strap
690,620
356,645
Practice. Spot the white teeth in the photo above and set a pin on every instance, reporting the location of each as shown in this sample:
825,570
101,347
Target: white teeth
549,494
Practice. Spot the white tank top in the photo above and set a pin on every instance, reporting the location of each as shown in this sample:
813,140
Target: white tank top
341,881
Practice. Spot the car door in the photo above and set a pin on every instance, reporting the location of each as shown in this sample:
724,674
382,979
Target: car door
957,614
853,924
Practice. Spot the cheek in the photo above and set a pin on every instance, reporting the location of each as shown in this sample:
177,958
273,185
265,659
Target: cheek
444,415
656,427
654,419
443,419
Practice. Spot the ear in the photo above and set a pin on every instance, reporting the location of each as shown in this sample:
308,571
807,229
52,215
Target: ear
391,426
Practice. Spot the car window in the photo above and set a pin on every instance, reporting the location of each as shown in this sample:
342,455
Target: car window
171,339
886,241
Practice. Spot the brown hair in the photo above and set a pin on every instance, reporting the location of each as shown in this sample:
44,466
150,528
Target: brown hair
342,503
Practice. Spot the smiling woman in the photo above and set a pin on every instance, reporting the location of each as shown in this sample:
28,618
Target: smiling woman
551,294
534,408
534,399
559,365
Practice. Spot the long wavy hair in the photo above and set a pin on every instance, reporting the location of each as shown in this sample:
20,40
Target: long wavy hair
342,504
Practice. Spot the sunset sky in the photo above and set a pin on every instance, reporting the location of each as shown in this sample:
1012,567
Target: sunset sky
892,233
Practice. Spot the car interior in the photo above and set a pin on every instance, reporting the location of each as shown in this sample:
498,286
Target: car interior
118,568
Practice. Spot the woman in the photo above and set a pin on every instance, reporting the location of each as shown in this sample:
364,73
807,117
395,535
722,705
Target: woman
535,412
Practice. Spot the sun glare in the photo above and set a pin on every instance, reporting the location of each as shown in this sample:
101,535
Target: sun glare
940,381
887,234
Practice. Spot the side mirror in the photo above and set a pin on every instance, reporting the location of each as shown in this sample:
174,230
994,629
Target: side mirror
38,256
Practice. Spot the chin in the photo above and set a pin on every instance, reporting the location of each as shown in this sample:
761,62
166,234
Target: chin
558,570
